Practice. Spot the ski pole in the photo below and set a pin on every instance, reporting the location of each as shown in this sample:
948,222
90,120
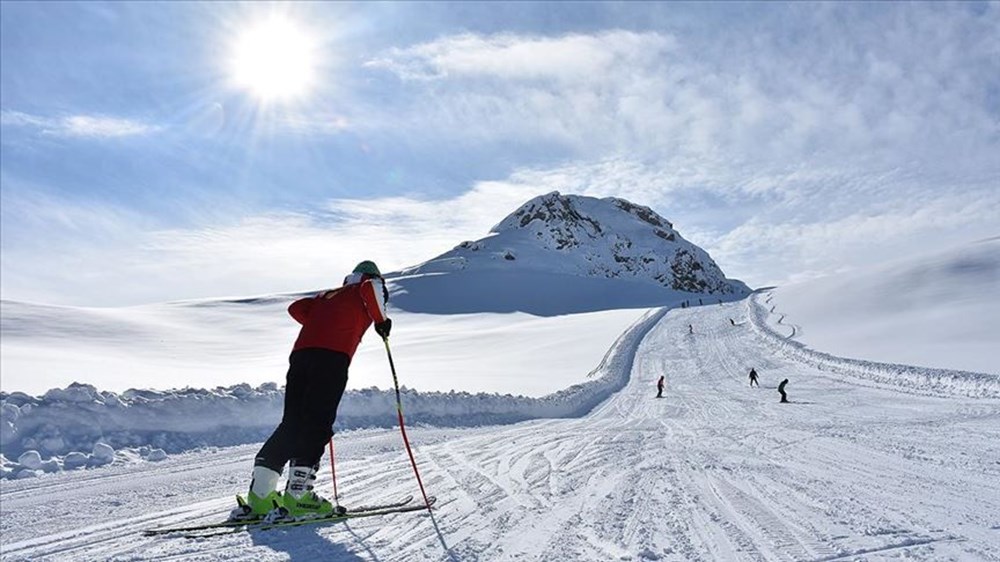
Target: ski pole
402,428
333,474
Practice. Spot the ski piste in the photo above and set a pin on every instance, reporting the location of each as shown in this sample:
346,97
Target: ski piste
401,506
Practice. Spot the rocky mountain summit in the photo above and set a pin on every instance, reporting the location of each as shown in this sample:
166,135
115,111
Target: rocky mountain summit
608,238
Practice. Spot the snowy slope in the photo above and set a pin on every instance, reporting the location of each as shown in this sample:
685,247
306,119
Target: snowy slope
940,310
872,460
714,471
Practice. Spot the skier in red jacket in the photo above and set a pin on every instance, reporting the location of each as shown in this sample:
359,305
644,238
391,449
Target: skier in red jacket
333,323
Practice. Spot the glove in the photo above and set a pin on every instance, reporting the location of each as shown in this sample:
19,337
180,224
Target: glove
383,328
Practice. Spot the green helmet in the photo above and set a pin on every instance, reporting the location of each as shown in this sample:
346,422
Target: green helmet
368,268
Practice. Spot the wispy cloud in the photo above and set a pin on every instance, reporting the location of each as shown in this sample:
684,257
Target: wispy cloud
60,251
843,82
776,250
571,58
79,126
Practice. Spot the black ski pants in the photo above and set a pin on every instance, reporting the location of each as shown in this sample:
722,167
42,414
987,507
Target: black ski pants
313,388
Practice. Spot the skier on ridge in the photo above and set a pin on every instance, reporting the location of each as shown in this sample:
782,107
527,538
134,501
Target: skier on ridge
659,387
333,323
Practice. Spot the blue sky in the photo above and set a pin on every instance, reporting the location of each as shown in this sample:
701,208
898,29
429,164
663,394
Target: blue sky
789,140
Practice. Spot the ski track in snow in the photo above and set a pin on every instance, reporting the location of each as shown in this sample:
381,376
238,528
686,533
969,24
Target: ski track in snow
715,470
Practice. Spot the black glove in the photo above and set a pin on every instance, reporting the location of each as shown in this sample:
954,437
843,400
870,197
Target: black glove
383,328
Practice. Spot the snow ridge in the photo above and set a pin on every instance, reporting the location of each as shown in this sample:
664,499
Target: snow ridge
908,378
63,422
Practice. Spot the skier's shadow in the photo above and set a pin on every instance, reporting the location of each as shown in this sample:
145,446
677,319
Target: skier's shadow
303,544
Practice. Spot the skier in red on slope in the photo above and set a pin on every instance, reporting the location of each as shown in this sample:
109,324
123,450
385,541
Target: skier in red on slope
333,323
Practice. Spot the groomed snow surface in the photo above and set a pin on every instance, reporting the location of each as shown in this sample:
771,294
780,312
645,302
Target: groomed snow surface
860,465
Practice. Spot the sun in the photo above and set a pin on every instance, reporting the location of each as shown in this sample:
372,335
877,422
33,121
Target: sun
275,60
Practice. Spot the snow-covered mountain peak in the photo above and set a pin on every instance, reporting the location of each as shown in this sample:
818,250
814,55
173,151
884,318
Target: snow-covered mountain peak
608,238
570,218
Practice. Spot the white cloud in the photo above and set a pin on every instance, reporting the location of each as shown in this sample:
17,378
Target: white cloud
99,126
877,87
570,58
782,251
18,119
82,126
61,252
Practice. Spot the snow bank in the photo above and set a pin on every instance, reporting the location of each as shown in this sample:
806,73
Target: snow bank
919,380
64,422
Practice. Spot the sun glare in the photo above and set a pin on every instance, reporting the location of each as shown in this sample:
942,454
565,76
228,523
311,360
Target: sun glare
274,60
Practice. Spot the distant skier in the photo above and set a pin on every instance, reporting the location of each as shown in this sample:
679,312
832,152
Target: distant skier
659,387
731,321
753,378
333,323
690,329
781,389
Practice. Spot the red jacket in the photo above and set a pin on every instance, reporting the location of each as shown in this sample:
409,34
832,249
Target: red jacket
337,319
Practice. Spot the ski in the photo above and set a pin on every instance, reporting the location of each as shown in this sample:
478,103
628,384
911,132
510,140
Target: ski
375,507
261,526
349,515
254,523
